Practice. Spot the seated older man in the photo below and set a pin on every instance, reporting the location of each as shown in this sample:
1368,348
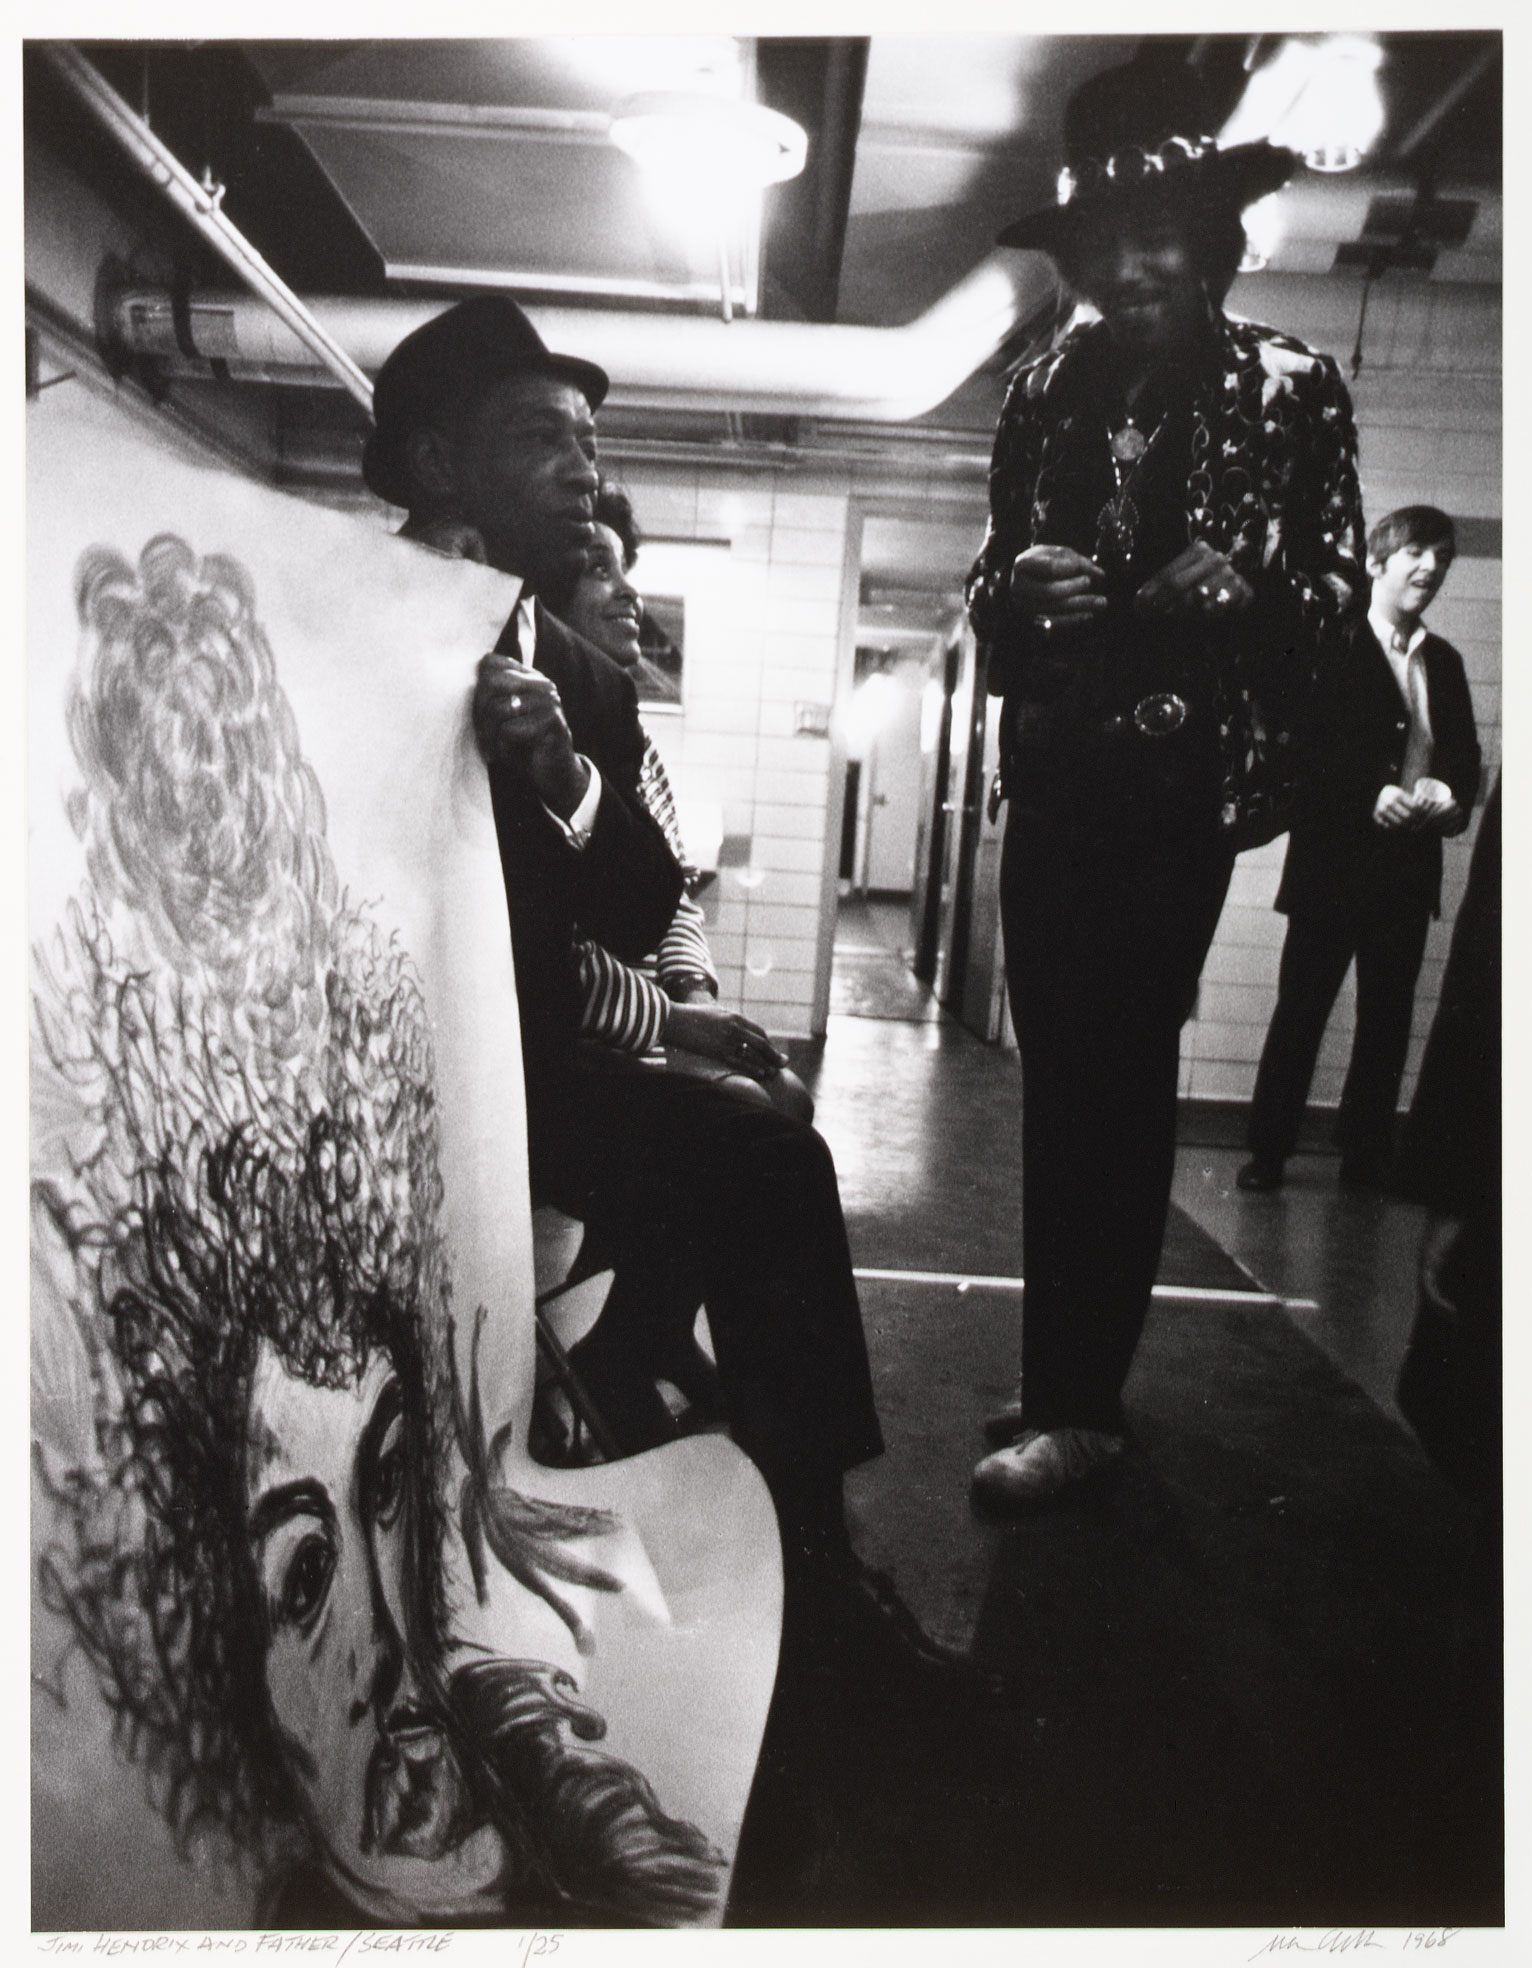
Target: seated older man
488,439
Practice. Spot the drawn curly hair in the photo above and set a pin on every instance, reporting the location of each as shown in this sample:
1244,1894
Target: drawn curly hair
222,1253
256,1164
199,811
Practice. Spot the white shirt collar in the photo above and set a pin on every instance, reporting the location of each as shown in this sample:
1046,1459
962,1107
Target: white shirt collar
1383,629
526,626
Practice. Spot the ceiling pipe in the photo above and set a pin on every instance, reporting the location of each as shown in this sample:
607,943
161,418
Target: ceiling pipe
203,205
656,362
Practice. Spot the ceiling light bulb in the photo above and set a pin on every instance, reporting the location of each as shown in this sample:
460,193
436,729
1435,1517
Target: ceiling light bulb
682,137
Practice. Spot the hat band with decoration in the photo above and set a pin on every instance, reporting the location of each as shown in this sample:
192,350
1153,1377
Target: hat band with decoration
1133,168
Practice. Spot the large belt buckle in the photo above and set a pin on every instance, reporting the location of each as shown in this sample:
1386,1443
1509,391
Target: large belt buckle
1156,716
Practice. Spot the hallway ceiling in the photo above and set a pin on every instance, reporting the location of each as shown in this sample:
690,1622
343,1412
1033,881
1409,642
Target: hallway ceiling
427,169
431,168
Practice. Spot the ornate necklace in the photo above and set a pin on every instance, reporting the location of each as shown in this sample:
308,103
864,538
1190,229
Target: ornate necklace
1118,521
1129,444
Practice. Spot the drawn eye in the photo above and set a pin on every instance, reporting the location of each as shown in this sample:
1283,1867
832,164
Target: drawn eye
306,1582
389,1477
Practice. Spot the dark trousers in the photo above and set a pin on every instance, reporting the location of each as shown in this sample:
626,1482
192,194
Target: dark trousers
1387,938
700,1197
1108,913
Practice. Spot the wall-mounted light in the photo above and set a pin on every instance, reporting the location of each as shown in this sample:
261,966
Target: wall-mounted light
1319,97
1263,232
873,705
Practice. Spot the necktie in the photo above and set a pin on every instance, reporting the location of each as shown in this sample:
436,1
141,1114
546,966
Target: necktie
1417,749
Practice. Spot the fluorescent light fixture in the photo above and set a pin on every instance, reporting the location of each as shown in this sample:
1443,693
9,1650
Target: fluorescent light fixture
1319,97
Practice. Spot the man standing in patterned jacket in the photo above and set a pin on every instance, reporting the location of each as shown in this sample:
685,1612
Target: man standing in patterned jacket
1174,545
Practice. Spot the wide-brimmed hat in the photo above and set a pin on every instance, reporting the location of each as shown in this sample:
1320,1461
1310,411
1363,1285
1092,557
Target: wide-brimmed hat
1134,140
457,354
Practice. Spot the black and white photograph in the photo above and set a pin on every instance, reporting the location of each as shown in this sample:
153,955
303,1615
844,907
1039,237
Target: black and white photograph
762,959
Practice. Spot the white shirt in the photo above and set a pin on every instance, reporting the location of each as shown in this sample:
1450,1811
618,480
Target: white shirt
578,827
1398,658
1410,674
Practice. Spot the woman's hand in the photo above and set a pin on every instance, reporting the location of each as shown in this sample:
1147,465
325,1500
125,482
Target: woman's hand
726,1036
1056,588
1200,583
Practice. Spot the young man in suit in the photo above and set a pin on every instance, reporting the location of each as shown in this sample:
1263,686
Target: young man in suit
1390,766
488,439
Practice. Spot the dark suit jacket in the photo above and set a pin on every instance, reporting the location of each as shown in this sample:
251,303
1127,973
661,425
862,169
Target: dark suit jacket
621,889
1352,746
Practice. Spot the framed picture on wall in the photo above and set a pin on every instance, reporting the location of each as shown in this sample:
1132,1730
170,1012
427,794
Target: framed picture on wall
662,644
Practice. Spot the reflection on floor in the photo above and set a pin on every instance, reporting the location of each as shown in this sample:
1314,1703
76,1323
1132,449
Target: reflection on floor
1243,1684
872,977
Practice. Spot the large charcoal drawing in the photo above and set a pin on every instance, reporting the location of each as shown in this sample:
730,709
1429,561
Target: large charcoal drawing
296,1581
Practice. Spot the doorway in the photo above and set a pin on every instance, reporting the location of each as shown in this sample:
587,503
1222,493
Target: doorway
899,723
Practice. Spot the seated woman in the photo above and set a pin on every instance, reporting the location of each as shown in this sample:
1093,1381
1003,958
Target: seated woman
670,1001
663,1014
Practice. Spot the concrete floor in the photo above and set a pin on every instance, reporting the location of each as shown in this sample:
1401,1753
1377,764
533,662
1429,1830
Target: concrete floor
1344,1262
1253,1681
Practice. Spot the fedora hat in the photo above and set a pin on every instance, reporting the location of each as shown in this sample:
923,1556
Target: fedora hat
1134,141
457,354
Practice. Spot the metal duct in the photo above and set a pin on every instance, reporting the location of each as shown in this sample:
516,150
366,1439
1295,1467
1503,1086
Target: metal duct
203,205
656,361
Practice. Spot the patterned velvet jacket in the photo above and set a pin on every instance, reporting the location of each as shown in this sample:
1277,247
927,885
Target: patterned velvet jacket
1272,484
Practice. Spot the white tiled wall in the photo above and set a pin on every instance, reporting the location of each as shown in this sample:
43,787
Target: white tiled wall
766,639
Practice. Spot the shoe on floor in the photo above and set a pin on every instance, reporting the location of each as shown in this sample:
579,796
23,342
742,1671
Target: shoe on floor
1005,1425
1041,1465
1259,1175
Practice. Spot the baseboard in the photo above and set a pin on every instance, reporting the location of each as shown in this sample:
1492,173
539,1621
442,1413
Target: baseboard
1226,1123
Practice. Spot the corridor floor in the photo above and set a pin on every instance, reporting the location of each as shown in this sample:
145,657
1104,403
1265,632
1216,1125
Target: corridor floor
1251,1681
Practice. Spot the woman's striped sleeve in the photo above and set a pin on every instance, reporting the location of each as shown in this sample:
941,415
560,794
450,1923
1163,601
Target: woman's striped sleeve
683,959
619,1006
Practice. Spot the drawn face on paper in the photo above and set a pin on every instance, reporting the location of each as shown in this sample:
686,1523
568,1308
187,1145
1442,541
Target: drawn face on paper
524,471
330,1521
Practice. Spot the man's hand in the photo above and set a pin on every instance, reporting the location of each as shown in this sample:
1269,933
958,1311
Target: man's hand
1396,810
723,1035
1056,588
1200,583
520,725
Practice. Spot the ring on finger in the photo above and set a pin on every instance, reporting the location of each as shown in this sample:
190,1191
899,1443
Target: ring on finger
1045,624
